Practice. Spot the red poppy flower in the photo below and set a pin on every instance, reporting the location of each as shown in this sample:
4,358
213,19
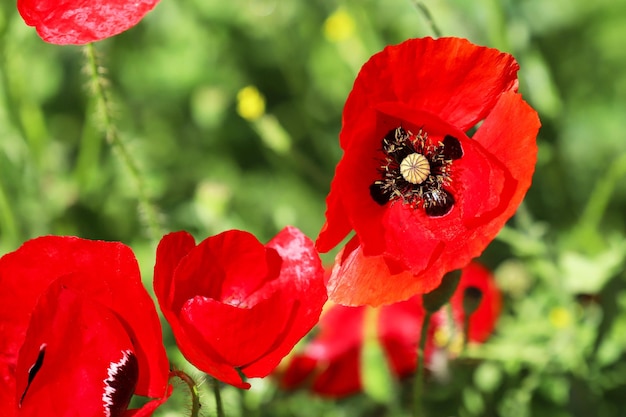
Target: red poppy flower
483,320
79,334
422,193
236,306
330,364
82,21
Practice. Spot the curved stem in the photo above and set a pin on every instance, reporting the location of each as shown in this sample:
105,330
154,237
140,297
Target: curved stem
418,383
104,112
193,389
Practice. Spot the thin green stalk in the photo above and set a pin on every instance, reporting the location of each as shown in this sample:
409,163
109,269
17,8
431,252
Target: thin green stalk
218,398
602,193
429,17
418,382
193,389
103,110
8,223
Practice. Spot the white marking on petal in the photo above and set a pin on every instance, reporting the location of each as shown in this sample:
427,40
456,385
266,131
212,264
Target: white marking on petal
113,372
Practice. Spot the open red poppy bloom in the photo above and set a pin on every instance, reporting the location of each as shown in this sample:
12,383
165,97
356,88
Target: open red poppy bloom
82,21
235,305
330,364
423,194
80,334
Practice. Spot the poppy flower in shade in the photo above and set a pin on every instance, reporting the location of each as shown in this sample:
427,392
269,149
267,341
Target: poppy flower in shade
80,334
82,21
475,280
423,193
236,306
330,363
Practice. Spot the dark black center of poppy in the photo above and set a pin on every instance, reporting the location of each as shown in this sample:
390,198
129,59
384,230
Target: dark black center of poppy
120,384
416,171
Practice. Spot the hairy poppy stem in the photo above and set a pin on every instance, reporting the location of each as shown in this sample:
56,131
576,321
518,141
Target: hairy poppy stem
218,398
98,85
418,383
193,389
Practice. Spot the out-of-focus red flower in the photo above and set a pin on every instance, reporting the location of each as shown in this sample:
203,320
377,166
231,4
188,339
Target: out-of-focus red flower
423,193
236,306
483,320
82,21
79,334
330,363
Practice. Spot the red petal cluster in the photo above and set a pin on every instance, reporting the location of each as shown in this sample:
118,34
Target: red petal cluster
82,21
444,87
79,331
330,364
237,306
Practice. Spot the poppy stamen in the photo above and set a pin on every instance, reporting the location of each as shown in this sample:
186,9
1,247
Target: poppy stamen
416,171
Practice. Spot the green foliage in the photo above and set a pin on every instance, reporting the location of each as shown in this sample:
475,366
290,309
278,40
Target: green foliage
560,346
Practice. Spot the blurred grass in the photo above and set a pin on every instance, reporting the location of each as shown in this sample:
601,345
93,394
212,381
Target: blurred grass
175,79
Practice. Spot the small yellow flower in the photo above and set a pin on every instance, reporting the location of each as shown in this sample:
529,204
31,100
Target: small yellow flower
339,26
560,317
250,103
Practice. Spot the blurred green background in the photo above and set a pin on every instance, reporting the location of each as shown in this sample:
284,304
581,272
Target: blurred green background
231,111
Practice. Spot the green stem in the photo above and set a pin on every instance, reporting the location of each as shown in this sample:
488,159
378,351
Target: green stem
429,18
99,90
418,383
602,193
218,398
193,388
7,218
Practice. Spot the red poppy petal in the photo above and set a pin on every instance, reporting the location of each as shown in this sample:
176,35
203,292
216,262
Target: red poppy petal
449,77
303,293
228,267
172,249
341,377
300,369
237,342
337,224
106,272
150,407
358,280
340,330
509,133
483,320
193,346
77,359
399,327
82,21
